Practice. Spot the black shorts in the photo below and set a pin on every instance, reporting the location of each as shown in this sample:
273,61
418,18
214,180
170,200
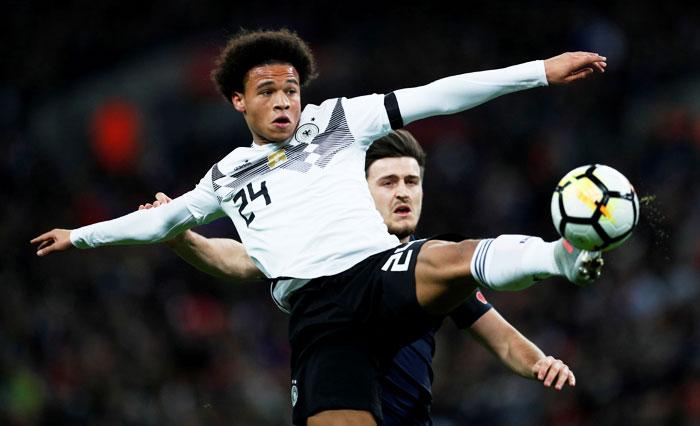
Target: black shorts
345,329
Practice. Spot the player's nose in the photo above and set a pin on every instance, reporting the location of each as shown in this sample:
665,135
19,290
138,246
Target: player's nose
281,101
401,192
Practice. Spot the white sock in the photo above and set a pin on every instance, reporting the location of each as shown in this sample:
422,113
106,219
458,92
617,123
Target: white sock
513,262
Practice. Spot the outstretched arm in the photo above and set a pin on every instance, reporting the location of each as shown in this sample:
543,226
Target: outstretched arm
518,353
140,227
221,257
458,93
195,207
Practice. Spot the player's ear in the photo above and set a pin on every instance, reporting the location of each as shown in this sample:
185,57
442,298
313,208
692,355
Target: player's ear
238,101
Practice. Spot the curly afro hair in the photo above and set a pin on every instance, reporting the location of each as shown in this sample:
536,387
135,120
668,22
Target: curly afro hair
249,49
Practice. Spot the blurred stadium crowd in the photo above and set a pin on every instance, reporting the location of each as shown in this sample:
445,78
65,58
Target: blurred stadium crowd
102,105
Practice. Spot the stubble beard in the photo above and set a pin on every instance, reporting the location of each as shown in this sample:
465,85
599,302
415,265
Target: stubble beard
402,231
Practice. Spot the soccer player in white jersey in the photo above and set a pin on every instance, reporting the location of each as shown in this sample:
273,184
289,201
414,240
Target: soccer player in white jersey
394,168
299,201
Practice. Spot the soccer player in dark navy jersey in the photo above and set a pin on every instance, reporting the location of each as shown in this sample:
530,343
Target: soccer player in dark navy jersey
394,168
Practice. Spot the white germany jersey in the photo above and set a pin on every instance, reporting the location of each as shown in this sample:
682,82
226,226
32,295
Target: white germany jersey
302,207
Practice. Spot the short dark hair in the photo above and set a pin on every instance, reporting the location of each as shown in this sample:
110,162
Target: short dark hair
398,143
249,49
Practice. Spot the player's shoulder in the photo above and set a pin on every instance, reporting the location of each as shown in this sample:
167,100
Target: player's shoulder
328,104
313,113
342,103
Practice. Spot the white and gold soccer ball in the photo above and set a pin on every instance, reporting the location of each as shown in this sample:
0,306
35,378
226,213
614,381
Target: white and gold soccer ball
595,207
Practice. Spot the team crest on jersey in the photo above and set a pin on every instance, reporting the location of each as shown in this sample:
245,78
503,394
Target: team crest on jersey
306,132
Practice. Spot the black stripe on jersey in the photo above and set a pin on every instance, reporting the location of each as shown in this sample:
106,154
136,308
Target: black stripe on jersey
392,111
240,177
335,138
216,175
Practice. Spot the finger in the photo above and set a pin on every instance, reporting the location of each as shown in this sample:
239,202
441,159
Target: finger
572,378
563,376
579,74
162,198
44,244
141,207
42,237
587,57
45,251
156,203
544,367
600,66
553,372
148,206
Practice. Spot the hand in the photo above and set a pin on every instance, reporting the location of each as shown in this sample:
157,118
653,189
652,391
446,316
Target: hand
572,66
551,370
55,240
162,199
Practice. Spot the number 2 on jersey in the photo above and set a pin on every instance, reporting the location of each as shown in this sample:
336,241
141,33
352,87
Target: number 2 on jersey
252,195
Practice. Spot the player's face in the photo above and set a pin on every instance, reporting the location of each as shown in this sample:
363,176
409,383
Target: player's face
397,189
271,103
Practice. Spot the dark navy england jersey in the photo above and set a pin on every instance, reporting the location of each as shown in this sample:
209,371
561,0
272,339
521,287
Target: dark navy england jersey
406,387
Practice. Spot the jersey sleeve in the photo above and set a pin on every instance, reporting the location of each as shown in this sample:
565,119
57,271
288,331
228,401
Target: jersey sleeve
471,310
202,201
461,92
154,225
367,118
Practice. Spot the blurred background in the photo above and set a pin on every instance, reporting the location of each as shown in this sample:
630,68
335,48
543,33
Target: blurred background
102,104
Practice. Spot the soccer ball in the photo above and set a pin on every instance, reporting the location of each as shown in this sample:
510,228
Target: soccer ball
595,207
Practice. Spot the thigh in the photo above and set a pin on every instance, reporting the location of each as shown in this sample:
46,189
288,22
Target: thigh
443,275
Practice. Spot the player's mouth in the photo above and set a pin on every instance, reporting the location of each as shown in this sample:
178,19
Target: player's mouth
402,210
282,122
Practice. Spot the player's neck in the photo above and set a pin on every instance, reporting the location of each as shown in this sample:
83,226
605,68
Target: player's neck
404,240
259,141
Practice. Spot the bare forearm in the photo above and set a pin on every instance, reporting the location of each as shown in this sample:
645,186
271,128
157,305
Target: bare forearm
513,349
220,257
520,355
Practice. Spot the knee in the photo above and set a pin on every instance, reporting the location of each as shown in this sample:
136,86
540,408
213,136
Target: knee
447,260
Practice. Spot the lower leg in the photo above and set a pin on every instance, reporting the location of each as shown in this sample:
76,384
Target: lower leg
447,273
513,262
